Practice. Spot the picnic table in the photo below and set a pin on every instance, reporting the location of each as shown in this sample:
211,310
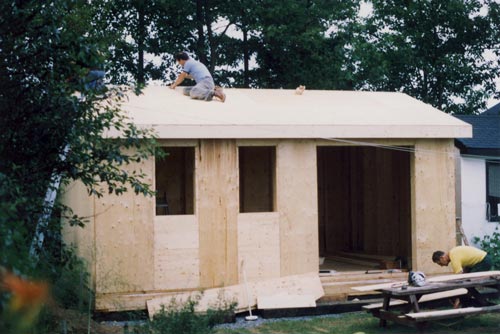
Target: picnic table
411,298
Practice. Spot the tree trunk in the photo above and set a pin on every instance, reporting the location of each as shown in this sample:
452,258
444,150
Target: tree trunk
140,43
246,59
210,37
200,44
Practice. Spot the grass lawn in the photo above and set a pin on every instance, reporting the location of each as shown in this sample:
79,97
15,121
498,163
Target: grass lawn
364,323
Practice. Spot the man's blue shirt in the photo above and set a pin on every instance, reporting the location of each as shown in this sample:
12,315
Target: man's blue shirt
196,69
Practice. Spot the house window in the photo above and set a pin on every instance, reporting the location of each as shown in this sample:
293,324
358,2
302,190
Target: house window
257,178
174,181
493,190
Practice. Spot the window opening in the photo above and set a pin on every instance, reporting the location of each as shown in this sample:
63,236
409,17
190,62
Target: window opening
257,169
492,191
175,182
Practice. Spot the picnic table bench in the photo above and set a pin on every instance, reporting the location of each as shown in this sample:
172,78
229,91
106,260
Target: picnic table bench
409,300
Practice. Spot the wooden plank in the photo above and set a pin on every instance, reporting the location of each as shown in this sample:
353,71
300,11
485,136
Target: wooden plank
423,299
357,282
432,201
217,199
367,263
388,315
354,277
118,302
305,284
431,279
297,203
445,314
374,287
393,302
366,256
285,301
481,274
343,283
338,288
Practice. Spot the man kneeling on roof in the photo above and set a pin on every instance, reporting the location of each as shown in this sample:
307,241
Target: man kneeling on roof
205,88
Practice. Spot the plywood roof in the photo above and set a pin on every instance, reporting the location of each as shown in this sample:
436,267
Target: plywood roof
276,113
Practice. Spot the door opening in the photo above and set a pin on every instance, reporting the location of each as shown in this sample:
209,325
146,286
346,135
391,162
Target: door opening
364,205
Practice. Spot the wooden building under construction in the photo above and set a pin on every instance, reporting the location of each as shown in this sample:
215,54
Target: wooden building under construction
276,181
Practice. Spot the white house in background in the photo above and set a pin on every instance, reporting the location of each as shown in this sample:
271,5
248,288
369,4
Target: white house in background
479,196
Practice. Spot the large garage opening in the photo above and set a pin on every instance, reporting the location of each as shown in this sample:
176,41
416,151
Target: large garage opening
364,208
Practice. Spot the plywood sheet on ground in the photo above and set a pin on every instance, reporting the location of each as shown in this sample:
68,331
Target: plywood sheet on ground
279,301
305,284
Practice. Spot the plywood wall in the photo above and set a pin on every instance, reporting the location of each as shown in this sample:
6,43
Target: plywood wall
433,202
217,203
259,245
176,252
75,196
124,239
297,204
136,252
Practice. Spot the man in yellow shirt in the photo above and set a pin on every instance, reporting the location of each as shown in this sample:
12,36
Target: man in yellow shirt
463,259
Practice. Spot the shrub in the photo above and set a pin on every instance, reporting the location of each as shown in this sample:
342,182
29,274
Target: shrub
182,318
491,245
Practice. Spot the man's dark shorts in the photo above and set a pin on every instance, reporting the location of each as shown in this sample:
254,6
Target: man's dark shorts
484,265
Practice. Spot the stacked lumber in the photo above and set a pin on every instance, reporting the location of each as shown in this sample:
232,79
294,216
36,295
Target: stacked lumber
425,298
338,286
443,278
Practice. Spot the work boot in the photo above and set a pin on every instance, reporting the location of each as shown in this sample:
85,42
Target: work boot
218,93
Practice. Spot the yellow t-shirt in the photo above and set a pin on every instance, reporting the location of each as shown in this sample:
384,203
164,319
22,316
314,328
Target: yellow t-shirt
465,256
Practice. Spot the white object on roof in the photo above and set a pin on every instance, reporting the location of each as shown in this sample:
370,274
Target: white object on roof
277,113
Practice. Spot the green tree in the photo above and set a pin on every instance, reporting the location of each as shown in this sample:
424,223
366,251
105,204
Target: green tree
304,42
296,42
138,32
48,131
205,39
432,50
